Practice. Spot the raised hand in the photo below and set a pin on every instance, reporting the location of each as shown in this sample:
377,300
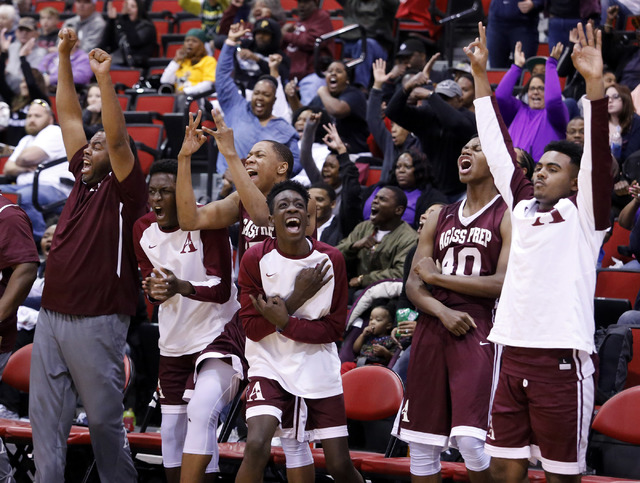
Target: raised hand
223,134
556,52
477,51
237,31
5,40
429,65
332,139
100,62
273,309
587,53
518,55
274,64
291,89
194,138
380,75
68,38
26,49
112,12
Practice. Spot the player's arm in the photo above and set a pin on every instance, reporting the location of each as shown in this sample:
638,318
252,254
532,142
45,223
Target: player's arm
217,262
254,201
486,286
492,131
595,181
17,288
458,323
115,129
217,214
67,104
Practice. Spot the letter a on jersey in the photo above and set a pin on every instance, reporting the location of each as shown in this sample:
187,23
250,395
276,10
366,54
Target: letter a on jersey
405,412
256,393
188,246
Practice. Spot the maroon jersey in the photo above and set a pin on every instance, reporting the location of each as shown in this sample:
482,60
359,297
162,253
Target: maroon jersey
250,233
468,247
92,269
16,247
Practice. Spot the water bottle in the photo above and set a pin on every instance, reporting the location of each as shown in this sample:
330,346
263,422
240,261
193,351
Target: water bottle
616,143
129,420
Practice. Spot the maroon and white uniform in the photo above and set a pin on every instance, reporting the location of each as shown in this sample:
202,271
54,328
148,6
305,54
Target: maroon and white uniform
16,247
449,377
96,220
250,233
302,359
545,315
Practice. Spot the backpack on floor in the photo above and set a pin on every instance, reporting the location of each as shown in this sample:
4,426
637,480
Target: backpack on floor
615,349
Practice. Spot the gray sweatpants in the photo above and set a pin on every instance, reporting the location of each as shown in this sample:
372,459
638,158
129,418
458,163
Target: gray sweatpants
72,356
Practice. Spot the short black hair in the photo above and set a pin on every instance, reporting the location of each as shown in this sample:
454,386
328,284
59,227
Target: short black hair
525,160
286,186
284,153
573,150
421,168
401,197
169,166
321,185
269,78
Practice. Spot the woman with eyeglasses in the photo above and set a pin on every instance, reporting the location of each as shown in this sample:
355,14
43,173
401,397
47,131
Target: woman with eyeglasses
543,117
624,123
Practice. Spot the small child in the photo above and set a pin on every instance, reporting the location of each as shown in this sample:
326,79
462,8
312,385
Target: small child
375,345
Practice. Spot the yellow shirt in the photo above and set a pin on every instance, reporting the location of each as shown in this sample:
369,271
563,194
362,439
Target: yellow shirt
190,75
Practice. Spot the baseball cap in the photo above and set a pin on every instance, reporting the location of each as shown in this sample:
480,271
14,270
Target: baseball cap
266,25
449,88
27,23
410,46
198,34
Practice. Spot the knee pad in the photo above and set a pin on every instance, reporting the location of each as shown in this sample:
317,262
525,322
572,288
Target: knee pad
425,459
173,430
298,454
472,450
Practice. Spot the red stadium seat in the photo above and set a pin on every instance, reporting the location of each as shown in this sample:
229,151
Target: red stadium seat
59,5
160,103
163,27
619,236
168,5
187,24
128,77
496,75
618,283
13,197
148,139
330,5
619,417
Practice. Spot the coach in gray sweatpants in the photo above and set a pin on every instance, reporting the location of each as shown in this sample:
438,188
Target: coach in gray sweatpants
91,286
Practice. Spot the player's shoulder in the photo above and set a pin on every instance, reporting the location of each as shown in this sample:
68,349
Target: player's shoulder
144,222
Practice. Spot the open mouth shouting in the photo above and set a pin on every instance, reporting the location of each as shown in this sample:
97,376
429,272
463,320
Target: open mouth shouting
464,164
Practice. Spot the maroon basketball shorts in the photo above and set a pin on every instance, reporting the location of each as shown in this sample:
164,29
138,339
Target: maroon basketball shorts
175,376
229,345
300,418
448,384
542,408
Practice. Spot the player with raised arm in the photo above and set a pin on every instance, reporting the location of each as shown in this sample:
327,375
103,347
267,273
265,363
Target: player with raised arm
456,277
544,393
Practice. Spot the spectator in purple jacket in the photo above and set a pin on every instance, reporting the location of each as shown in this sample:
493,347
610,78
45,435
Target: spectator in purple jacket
544,117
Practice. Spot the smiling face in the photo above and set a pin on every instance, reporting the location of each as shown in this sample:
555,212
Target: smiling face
162,199
331,171
535,92
45,241
554,177
95,160
324,205
405,172
472,163
262,99
264,166
38,117
289,217
380,321
337,78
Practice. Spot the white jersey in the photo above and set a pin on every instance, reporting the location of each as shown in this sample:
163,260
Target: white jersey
189,324
303,358
548,291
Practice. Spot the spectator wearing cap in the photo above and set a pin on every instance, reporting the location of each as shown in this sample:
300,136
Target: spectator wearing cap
23,46
251,121
191,71
299,40
410,58
252,58
87,23
441,124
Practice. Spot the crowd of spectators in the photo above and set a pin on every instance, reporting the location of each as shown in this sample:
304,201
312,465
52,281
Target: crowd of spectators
408,118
